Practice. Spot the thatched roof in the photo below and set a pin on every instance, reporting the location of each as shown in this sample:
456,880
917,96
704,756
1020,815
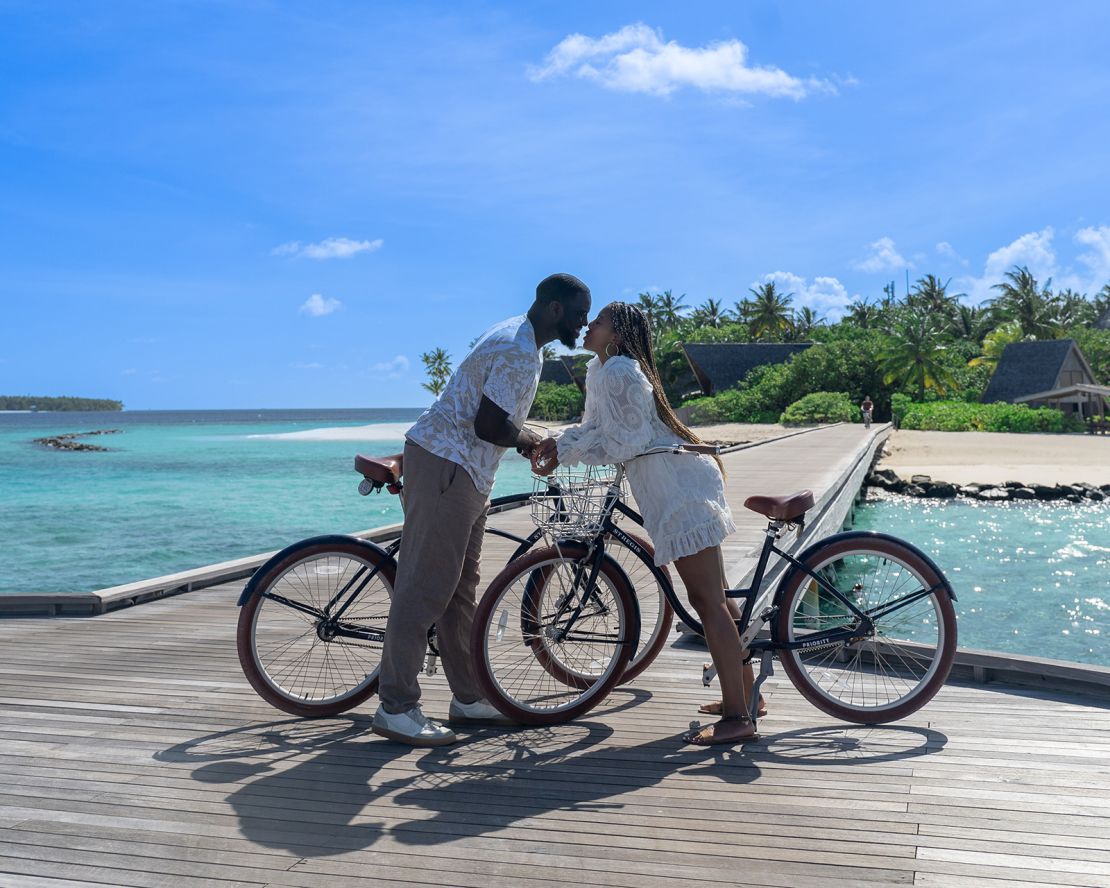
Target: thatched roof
555,370
1026,368
720,365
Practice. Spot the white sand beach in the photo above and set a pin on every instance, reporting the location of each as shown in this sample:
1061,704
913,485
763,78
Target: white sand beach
992,457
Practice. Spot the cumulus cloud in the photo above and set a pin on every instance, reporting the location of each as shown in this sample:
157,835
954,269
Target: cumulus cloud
825,295
947,250
317,306
1037,251
329,248
637,59
884,257
392,369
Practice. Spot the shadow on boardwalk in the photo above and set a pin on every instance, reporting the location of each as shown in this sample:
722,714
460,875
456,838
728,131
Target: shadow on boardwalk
325,787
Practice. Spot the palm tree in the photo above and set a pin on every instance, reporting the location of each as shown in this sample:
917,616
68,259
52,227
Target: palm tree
709,314
931,295
971,323
1074,308
803,324
862,314
914,355
670,310
438,365
1023,300
995,342
768,314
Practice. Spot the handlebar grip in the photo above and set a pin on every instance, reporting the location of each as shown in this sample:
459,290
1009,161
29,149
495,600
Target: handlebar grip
709,449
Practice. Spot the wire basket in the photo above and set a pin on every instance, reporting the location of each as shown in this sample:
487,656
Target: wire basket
575,502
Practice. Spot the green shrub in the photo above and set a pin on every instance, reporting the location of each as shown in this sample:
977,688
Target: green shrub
820,407
556,403
960,416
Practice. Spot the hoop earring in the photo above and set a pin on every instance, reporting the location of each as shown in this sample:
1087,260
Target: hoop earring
617,352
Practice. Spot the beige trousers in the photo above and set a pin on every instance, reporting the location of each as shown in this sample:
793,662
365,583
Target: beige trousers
437,577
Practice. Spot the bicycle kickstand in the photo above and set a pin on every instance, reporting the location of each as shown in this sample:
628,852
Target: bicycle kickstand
708,673
766,669
430,663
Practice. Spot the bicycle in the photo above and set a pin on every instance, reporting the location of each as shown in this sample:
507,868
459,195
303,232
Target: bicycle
312,618
862,622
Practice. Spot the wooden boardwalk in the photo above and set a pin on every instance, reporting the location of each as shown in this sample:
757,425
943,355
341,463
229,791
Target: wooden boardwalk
135,754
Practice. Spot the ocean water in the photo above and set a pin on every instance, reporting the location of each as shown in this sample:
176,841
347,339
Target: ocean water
1031,578
182,489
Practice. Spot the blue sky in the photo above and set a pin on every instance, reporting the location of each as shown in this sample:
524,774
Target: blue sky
263,204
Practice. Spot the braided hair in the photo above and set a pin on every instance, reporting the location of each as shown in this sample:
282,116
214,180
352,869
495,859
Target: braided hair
635,331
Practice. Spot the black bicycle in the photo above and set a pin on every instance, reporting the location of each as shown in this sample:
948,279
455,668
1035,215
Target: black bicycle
862,622
312,618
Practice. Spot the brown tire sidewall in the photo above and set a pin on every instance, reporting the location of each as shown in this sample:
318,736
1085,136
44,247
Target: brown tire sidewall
911,559
243,635
666,618
490,689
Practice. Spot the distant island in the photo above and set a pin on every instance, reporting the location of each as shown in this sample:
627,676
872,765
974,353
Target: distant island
62,404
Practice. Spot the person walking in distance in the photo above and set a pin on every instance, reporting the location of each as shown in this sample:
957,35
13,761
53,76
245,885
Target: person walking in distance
450,458
867,407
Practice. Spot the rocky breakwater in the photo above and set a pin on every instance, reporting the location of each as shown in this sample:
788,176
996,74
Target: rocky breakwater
70,442
924,487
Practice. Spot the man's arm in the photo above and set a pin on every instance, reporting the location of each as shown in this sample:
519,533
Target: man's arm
492,424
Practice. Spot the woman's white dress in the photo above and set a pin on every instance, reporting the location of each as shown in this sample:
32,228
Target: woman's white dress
680,495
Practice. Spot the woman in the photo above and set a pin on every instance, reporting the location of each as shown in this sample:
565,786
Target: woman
681,495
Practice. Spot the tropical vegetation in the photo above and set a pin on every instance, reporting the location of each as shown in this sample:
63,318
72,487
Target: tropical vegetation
65,403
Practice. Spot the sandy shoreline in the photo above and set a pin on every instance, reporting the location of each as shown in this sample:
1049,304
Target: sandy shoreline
992,457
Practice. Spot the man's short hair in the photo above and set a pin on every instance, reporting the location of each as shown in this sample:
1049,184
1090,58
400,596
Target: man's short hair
563,287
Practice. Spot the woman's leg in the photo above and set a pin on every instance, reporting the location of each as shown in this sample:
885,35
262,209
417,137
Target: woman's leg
715,708
704,577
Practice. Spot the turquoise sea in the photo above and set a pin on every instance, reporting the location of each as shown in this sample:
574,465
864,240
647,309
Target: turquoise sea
183,489
1031,578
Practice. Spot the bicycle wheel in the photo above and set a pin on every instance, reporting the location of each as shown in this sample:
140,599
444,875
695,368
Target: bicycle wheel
882,676
539,657
656,614
286,648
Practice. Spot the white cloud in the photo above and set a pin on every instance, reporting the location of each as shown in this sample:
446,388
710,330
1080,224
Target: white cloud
310,365
392,369
946,249
1098,257
825,295
1037,251
1033,250
636,59
317,306
329,248
884,257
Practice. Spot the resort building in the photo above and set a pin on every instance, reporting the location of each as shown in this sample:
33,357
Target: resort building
1050,373
563,370
720,365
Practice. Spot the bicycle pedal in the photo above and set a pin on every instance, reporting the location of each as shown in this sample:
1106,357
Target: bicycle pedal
430,664
708,673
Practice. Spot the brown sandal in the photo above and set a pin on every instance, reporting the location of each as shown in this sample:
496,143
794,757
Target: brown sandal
715,708
699,737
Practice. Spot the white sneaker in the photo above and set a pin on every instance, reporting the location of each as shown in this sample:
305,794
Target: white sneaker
411,727
480,712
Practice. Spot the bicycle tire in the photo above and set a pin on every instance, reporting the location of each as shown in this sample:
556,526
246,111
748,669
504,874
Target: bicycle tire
322,678
882,678
656,613
540,687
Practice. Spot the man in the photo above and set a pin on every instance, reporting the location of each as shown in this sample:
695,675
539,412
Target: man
867,407
451,456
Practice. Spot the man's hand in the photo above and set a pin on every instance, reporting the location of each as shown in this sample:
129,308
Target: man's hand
526,442
545,457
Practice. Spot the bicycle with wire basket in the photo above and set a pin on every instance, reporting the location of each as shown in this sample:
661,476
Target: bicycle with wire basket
862,622
312,619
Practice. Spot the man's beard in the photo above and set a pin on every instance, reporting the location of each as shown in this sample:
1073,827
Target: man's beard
569,338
